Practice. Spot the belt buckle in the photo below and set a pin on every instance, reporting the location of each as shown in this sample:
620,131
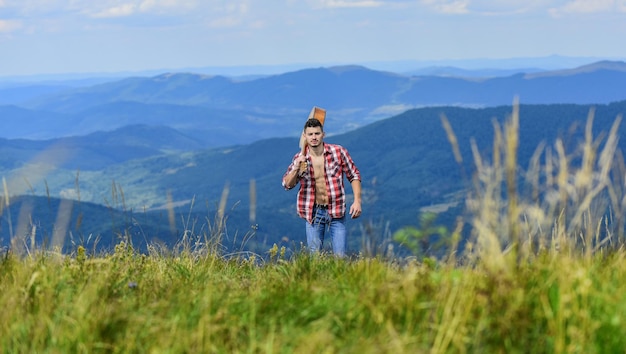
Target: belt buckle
322,206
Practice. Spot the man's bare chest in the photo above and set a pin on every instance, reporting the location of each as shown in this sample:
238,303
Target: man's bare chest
318,165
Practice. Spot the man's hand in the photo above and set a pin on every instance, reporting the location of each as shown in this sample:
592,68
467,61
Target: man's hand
299,159
300,164
355,210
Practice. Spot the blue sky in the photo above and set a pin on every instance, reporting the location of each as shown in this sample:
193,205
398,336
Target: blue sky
86,36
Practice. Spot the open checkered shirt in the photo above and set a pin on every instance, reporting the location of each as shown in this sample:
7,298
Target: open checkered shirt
337,162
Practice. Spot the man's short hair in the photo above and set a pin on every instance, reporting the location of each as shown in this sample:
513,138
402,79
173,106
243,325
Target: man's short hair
312,123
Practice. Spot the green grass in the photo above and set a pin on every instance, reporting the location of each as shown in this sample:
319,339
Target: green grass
127,302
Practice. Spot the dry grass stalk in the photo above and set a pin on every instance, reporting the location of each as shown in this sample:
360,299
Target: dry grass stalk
564,203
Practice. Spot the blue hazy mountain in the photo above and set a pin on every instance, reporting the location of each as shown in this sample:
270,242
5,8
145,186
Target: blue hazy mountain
220,110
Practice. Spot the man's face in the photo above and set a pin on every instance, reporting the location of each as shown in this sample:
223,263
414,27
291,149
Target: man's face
314,136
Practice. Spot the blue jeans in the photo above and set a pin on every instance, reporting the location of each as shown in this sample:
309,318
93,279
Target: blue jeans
315,232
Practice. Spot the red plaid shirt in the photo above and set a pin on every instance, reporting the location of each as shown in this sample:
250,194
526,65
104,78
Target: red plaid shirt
337,162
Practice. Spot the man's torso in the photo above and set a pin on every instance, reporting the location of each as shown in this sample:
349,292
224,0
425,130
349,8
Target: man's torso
321,195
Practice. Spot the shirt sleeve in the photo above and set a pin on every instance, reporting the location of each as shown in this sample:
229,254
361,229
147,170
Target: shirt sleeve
289,170
352,172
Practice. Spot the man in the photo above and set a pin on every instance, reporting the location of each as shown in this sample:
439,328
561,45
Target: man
321,198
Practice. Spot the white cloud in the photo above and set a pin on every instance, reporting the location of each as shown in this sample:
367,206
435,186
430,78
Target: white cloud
512,7
71,15
134,7
30,8
7,26
230,14
169,6
116,11
351,3
148,5
589,6
104,8
455,7
448,6
225,22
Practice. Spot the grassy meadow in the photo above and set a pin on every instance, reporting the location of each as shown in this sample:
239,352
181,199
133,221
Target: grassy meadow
543,271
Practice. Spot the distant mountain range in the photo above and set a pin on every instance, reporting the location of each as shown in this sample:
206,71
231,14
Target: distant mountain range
471,66
134,146
218,111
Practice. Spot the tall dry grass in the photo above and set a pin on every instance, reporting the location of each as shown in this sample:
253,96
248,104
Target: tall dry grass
564,202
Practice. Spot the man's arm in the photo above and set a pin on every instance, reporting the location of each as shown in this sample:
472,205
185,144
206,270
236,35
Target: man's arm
355,209
290,178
